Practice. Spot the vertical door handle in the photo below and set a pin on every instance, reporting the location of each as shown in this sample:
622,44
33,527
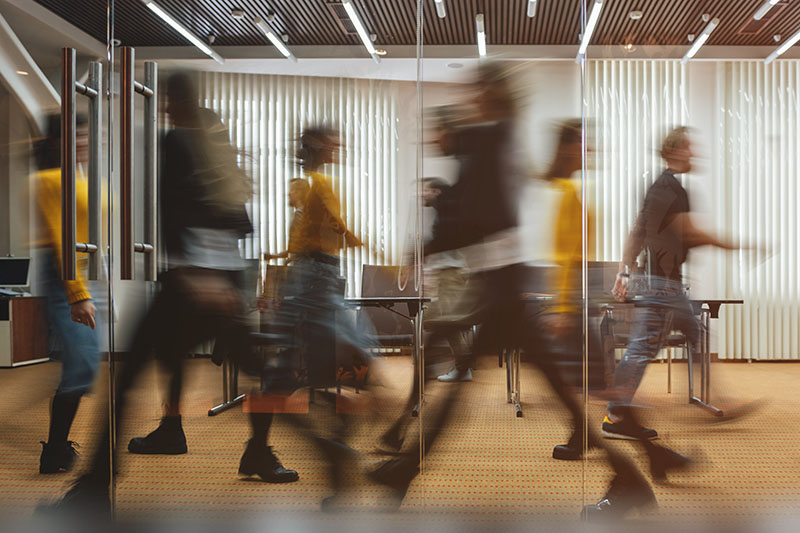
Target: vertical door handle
129,87
69,88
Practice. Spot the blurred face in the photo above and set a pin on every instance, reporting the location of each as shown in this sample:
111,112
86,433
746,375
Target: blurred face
429,195
295,196
178,110
679,159
82,144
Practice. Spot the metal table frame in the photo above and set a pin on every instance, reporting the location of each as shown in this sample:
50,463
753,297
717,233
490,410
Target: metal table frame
416,308
707,309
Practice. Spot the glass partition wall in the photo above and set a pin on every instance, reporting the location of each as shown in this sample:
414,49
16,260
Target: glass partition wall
473,262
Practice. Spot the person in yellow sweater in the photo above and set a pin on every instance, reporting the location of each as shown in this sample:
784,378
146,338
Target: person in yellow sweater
568,230
71,312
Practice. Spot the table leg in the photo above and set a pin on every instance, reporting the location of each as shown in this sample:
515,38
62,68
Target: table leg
705,368
230,389
419,358
517,357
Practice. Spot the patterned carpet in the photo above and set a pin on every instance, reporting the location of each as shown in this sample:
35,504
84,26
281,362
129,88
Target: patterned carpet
488,465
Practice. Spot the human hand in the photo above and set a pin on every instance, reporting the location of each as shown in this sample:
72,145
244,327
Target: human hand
83,313
620,288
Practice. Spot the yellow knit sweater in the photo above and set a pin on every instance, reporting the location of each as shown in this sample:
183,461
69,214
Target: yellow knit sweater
47,190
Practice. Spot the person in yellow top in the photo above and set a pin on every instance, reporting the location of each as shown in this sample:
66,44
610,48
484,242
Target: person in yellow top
312,295
298,191
568,230
71,313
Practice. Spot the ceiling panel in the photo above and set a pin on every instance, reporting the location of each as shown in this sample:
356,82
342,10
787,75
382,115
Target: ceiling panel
394,22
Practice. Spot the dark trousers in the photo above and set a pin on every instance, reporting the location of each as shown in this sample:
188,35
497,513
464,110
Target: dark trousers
171,327
503,324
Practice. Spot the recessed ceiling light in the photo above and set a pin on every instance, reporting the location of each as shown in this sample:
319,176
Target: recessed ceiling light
455,65
22,73
380,51
635,14
238,14
116,42
776,37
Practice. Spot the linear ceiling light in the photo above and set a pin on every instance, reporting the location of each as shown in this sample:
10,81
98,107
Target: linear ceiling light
784,47
440,8
594,16
700,40
180,28
764,9
362,31
531,8
262,25
481,35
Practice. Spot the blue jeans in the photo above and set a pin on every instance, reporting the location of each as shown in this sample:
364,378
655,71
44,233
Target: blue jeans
313,296
80,352
663,307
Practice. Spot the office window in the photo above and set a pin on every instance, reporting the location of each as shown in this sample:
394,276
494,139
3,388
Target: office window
266,115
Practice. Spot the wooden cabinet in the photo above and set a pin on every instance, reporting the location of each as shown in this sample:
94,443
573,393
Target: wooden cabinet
23,331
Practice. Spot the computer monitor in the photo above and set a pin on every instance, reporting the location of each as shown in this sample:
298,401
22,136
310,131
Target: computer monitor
14,271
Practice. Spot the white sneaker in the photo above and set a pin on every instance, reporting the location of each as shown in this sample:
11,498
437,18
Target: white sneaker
456,376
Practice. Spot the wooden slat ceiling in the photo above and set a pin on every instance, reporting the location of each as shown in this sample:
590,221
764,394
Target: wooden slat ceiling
313,22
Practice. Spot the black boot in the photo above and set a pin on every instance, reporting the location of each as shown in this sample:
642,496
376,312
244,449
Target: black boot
572,450
397,474
258,459
58,453
167,439
664,460
57,457
622,497
87,499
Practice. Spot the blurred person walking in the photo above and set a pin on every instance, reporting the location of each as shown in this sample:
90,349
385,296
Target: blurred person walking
312,297
70,307
204,194
485,233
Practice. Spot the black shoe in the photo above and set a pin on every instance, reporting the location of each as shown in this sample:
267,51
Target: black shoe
397,474
57,457
663,460
86,498
621,498
258,459
572,450
626,431
167,439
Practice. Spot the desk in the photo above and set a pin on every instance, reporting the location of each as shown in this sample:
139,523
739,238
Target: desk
415,306
23,331
707,309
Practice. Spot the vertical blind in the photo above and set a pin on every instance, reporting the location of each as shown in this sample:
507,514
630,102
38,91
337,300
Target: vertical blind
632,104
266,115
758,173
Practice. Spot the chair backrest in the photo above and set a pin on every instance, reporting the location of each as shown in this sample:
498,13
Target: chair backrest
378,280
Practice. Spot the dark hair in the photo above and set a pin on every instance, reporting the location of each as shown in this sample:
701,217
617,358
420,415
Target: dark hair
47,150
569,133
436,183
313,144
